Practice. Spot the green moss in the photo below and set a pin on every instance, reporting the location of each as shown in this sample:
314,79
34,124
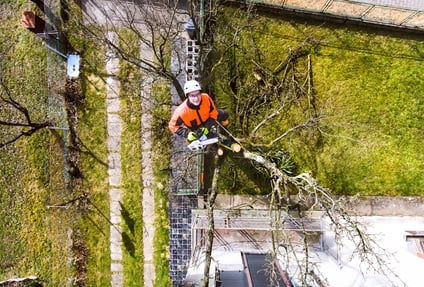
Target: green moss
95,225
161,156
367,86
28,179
132,187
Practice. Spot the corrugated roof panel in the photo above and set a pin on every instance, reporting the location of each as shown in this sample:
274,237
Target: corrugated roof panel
233,279
258,266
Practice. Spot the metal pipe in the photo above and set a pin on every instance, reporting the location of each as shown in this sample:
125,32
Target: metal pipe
202,19
55,50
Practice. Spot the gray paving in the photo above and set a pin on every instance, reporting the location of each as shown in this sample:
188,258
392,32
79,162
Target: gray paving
405,4
114,130
148,196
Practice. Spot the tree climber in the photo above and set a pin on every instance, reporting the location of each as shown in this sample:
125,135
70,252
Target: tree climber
196,115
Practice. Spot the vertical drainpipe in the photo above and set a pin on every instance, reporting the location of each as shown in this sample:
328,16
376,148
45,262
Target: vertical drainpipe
202,32
202,17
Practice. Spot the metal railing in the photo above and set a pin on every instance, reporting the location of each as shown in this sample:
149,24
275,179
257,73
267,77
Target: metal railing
400,14
257,220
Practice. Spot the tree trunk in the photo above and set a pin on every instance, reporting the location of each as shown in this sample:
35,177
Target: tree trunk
211,224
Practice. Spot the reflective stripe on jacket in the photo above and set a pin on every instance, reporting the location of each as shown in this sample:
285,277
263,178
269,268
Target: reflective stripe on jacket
193,117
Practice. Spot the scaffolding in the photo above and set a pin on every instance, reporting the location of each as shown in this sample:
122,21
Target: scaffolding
186,178
256,220
180,235
192,53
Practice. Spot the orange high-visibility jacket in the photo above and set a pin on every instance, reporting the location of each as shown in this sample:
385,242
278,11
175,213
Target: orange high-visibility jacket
191,116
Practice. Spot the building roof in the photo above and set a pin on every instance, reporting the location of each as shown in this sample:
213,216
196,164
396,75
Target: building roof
400,236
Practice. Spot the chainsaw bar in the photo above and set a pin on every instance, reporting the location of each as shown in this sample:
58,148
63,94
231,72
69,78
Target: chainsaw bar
201,144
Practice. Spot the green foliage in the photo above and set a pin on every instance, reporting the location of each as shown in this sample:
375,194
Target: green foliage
377,108
367,87
22,64
246,180
11,245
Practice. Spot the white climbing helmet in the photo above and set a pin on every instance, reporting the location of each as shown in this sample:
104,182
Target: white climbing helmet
191,86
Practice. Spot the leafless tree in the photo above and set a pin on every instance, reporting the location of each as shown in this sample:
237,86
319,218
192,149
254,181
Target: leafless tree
16,118
156,24
22,121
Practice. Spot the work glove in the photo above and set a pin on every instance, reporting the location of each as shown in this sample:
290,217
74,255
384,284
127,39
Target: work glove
191,136
204,131
200,132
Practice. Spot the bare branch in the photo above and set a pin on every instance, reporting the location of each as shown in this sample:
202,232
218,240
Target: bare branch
28,123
